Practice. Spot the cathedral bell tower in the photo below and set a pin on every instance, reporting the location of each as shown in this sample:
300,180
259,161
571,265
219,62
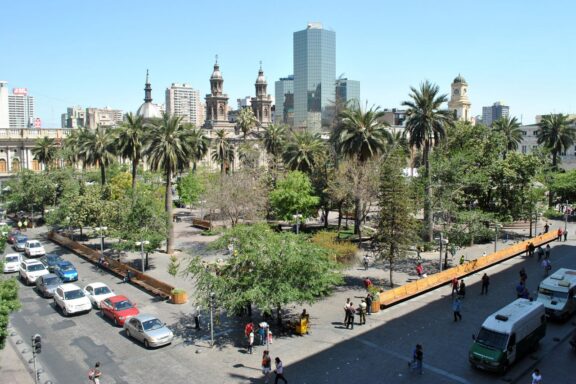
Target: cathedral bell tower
459,103
262,103
216,101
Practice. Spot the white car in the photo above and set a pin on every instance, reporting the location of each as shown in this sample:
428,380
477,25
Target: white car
97,292
34,248
12,262
30,270
70,298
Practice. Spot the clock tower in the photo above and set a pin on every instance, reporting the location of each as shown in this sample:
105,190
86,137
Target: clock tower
459,103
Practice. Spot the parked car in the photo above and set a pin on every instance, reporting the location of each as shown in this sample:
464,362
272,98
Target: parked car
34,248
12,262
30,270
47,284
66,271
20,242
11,238
97,292
71,299
148,330
573,341
50,260
118,309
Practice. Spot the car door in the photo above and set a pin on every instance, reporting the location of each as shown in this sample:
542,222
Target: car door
106,307
89,292
59,297
40,285
139,330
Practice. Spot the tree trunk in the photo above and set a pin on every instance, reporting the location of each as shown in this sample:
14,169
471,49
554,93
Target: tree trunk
428,198
391,258
554,168
339,216
170,239
357,218
134,170
279,314
103,173
326,212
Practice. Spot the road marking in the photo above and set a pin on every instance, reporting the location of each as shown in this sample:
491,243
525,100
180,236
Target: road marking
438,371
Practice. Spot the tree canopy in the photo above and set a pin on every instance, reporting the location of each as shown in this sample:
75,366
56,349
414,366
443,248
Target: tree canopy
293,195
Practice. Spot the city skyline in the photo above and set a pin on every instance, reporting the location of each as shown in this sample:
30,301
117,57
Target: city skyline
521,55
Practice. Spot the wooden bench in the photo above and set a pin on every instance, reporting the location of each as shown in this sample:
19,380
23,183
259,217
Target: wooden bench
202,224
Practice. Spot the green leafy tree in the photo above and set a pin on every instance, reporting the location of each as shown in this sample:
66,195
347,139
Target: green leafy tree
269,270
426,125
31,192
169,151
200,145
396,223
189,189
98,148
564,186
131,141
293,195
246,121
45,151
510,128
301,149
9,301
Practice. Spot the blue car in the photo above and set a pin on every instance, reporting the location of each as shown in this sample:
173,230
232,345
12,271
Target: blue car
65,271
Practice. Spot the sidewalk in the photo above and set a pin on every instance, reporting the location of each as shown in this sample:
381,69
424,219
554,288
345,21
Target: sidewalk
13,369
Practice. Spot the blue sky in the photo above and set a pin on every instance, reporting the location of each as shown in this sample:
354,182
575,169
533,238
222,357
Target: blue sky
95,53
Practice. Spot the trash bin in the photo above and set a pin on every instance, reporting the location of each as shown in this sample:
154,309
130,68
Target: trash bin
302,326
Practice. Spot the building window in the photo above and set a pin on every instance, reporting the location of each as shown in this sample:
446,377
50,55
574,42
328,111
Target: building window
523,149
524,133
2,166
536,133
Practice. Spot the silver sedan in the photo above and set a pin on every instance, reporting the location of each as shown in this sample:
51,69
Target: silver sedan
148,329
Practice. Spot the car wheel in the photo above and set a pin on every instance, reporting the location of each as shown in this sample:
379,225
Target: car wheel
116,322
146,344
65,312
128,333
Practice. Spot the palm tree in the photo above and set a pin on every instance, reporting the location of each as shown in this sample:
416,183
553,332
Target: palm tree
246,121
223,152
131,140
200,144
274,140
169,150
301,150
71,147
557,133
45,151
360,136
510,127
98,148
426,124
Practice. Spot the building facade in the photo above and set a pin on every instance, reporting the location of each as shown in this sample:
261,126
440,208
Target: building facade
20,109
284,95
105,117
459,103
314,77
182,100
347,91
494,112
4,111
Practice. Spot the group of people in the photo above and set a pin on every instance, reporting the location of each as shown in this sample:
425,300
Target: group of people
263,331
350,311
23,224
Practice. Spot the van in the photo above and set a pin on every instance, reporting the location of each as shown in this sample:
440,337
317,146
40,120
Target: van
507,335
558,294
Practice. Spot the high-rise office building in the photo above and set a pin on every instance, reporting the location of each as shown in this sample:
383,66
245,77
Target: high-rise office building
20,109
494,112
284,92
348,91
314,77
4,114
183,100
75,117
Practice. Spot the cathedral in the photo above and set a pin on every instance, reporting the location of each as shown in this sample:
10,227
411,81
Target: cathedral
459,103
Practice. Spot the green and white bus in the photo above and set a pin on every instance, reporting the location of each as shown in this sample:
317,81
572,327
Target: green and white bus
507,335
558,294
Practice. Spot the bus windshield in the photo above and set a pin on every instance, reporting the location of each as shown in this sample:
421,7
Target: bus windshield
553,294
492,339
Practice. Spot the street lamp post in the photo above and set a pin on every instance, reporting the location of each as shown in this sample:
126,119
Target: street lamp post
297,217
141,244
496,228
443,242
211,319
101,230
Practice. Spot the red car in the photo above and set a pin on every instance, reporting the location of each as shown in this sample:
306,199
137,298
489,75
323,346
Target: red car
12,236
118,309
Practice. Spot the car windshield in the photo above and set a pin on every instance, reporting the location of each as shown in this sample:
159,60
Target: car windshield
36,267
67,267
53,259
51,281
101,290
34,245
491,339
75,294
153,324
122,305
553,294
11,259
21,239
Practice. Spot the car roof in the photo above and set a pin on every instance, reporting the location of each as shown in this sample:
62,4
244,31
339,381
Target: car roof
96,285
12,254
21,237
144,317
118,298
69,287
64,262
29,262
50,275
52,256
33,241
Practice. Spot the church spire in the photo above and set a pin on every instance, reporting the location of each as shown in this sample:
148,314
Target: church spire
147,90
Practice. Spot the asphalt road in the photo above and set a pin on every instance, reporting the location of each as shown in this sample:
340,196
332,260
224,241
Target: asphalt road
377,352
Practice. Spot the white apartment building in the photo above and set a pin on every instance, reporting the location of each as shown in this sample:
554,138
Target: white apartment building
4,114
183,100
20,109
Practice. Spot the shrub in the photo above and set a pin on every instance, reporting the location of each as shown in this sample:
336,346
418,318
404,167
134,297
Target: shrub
340,251
553,214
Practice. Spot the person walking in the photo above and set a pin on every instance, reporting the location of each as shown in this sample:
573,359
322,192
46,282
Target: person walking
547,266
351,312
417,358
369,303
559,238
523,275
536,377
95,373
25,226
462,289
366,261
266,365
250,342
540,253
196,314
419,270
531,249
454,286
279,371
485,284
547,251
346,311
546,227
456,307
462,259
362,309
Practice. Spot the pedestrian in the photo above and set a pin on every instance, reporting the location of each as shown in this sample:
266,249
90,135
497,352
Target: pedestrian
196,314
369,303
536,377
346,311
565,235
522,291
367,283
531,249
366,261
95,373
266,365
351,313
462,259
454,286
248,328
462,289
456,306
485,284
250,342
263,332
547,266
559,233
25,226
362,309
547,251
279,371
540,253
546,227
419,270
417,357
523,276
20,225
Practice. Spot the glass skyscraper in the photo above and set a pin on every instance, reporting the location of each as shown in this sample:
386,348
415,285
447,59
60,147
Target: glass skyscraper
348,91
314,77
284,89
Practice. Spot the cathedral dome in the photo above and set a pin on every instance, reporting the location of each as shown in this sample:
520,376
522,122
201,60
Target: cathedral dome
216,74
261,79
149,110
460,79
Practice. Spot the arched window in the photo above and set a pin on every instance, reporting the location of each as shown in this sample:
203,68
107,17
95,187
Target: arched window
15,165
3,166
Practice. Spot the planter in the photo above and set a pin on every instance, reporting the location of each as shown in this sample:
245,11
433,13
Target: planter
179,297
375,307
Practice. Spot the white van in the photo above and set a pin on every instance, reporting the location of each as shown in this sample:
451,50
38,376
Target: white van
508,334
558,293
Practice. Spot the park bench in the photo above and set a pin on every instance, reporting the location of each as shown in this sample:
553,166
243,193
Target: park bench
202,224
